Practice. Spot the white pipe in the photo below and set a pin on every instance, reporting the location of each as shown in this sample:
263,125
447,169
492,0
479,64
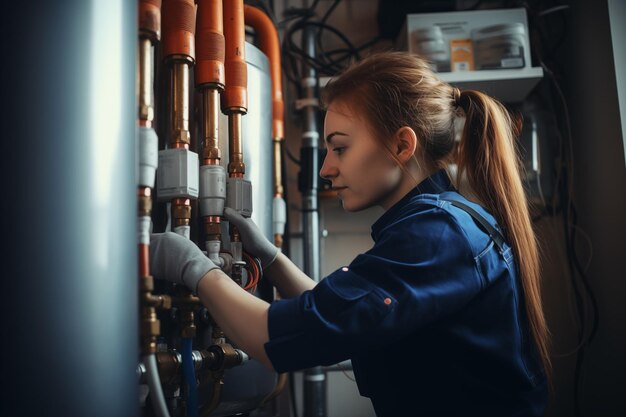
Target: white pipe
156,391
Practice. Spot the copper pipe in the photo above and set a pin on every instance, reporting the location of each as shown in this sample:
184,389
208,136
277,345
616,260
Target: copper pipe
236,166
179,18
210,101
269,43
179,132
144,82
278,162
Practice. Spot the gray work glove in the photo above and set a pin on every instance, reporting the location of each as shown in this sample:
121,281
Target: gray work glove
254,242
177,259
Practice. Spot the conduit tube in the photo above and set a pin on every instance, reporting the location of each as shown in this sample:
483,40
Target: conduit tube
179,17
147,147
314,378
209,73
269,43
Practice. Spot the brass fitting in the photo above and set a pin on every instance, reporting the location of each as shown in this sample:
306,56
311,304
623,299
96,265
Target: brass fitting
144,202
188,325
181,211
212,229
170,367
226,357
149,328
149,325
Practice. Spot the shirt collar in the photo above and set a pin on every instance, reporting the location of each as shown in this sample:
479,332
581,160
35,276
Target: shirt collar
437,183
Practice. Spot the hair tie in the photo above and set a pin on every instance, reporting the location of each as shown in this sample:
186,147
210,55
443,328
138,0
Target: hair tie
456,96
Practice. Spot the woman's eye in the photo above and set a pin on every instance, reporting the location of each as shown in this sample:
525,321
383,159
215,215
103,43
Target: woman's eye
339,150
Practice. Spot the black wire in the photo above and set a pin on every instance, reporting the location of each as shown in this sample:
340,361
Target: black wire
545,47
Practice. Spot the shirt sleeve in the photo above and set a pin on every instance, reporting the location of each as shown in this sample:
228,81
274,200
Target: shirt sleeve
420,270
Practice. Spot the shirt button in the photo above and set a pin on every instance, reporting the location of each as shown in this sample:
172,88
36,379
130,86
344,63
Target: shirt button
387,301
344,269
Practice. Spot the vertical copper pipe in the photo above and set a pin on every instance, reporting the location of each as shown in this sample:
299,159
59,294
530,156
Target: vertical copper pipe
211,152
235,96
144,82
179,135
269,43
179,19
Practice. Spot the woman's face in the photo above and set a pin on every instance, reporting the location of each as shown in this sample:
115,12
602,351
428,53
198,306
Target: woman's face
360,169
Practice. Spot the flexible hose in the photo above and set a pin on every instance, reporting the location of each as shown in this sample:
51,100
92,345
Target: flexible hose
190,378
156,391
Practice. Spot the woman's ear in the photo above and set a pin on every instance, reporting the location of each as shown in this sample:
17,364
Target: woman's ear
405,144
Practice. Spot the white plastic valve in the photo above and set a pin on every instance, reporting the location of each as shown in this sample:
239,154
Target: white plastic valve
147,147
212,196
239,195
177,176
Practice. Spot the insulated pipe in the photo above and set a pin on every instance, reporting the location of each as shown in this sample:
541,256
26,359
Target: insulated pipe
269,43
178,45
235,96
209,73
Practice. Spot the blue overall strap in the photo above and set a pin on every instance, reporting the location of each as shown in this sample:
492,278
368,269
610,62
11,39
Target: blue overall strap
492,231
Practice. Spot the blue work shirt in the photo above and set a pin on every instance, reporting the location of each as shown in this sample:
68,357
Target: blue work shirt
432,316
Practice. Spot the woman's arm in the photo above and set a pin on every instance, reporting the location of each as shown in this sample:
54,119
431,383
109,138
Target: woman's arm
241,316
287,277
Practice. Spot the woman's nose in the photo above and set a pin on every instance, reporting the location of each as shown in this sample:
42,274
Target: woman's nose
328,170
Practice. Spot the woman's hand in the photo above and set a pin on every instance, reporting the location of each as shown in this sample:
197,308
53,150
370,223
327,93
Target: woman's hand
177,259
254,242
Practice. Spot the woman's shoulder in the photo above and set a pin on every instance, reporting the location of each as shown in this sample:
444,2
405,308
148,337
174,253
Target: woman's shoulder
433,217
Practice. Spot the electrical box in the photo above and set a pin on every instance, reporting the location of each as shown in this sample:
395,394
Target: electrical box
487,50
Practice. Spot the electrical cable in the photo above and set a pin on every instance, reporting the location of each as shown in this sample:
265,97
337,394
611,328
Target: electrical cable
585,301
564,190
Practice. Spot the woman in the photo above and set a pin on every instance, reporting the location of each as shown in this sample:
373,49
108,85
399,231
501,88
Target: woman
443,315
